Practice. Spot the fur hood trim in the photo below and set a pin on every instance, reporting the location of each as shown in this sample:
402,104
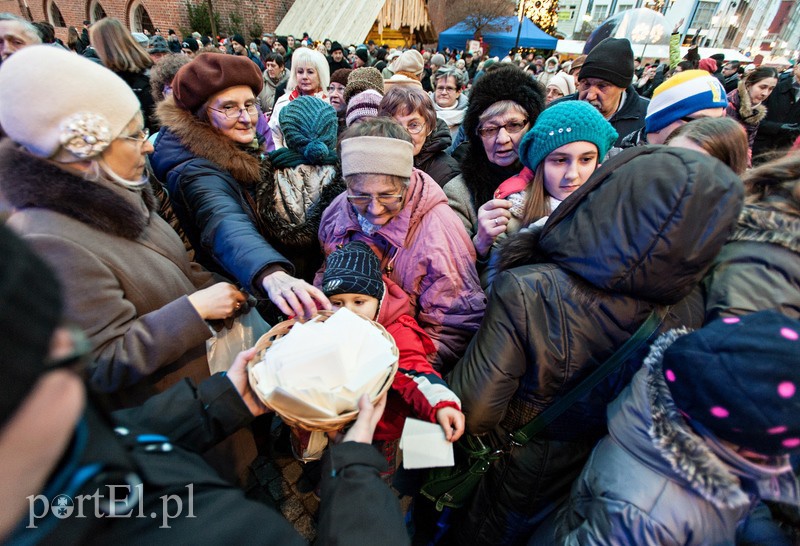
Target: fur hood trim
749,114
27,181
202,140
686,451
768,226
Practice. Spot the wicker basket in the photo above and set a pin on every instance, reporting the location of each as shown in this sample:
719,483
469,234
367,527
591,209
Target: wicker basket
316,425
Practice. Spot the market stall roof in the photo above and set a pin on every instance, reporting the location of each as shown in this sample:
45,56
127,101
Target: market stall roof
500,42
349,21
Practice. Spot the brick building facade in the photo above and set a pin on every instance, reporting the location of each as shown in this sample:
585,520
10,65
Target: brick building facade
251,15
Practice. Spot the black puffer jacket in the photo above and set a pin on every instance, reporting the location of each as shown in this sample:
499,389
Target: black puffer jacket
212,184
639,232
759,267
432,158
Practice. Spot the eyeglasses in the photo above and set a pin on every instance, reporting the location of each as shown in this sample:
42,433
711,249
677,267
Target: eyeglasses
141,137
511,127
446,89
336,88
363,201
415,127
233,112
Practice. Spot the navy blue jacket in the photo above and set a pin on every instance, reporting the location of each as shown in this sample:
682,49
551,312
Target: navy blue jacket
213,207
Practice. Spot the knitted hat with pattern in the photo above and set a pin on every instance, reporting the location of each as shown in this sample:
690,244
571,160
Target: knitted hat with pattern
682,95
739,378
353,269
363,105
361,79
563,123
610,60
68,122
309,126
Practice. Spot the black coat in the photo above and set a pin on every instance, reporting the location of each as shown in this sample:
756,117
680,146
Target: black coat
432,158
157,445
624,241
627,119
781,108
139,82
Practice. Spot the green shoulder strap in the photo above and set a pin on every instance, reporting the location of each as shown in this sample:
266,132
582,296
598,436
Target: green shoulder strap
648,327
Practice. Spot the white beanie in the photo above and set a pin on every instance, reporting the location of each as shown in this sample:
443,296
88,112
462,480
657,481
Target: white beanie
564,82
62,106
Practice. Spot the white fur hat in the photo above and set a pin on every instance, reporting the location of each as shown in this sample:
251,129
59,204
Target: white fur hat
62,106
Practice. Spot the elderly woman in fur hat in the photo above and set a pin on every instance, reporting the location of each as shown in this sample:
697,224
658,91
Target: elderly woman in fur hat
211,159
73,170
503,106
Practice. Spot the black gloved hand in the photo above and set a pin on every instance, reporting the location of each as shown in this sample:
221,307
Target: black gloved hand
791,127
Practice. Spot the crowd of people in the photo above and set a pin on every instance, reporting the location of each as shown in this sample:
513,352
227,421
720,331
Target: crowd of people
511,223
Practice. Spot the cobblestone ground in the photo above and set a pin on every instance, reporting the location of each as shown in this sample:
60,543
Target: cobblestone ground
280,482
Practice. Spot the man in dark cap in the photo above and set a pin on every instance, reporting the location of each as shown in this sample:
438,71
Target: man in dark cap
73,474
173,41
336,59
190,46
604,81
239,46
362,57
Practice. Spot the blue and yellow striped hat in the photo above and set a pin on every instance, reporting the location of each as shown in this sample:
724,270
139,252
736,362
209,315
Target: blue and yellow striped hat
682,95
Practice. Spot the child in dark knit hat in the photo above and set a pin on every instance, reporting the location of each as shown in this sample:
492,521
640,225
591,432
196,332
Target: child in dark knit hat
353,280
704,431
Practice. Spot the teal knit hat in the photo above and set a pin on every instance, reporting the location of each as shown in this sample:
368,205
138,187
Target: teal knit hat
309,127
563,123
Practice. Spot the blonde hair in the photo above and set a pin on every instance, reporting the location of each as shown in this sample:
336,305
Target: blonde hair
537,204
309,57
116,47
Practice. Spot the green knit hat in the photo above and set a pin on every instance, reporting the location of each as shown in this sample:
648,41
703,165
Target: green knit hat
563,123
309,127
362,79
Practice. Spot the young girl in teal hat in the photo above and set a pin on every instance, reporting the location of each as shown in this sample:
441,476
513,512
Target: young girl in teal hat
564,147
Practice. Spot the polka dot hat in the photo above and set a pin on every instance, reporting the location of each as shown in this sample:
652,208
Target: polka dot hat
740,378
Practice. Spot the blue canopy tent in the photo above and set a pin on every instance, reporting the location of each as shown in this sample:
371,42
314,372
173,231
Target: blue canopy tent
502,41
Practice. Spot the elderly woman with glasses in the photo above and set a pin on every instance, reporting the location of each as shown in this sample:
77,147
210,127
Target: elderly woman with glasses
412,108
449,101
211,159
73,171
402,214
503,106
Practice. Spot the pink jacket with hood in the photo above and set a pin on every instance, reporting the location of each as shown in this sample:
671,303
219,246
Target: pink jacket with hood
426,250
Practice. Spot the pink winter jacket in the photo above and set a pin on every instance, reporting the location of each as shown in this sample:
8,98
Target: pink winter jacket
426,251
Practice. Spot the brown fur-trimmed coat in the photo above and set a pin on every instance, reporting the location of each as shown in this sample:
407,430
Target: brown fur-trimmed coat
125,279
